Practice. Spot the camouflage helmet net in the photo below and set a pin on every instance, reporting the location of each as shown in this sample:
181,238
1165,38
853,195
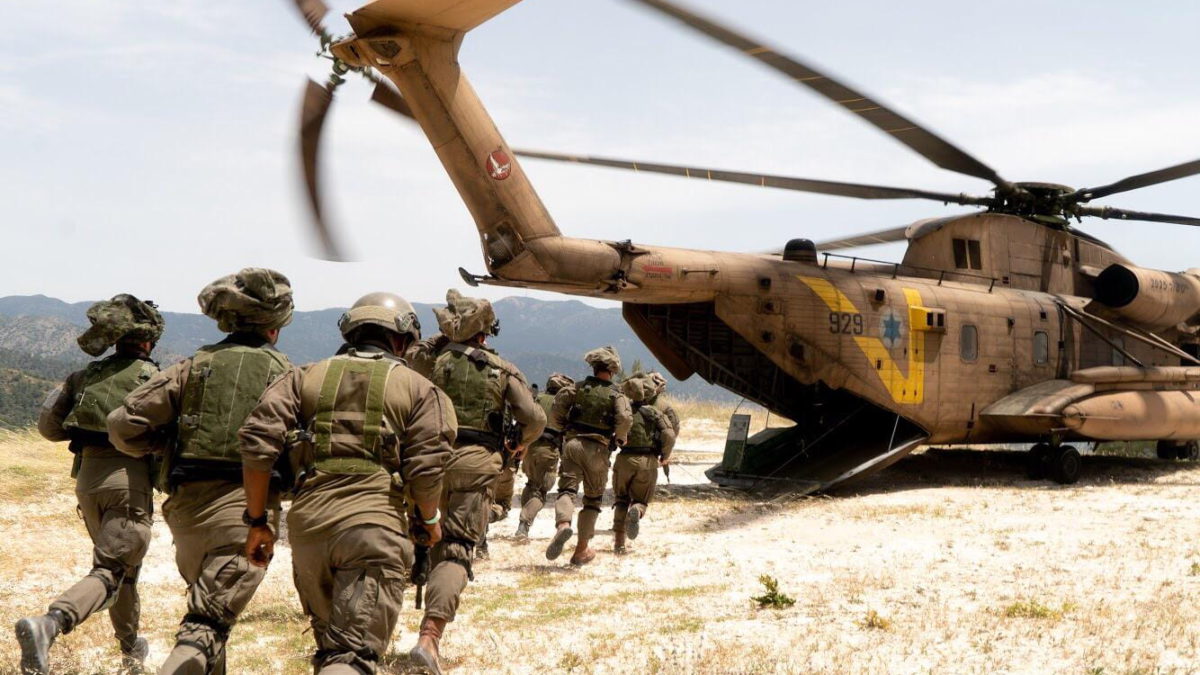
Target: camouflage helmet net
122,318
557,381
254,299
463,318
604,356
639,388
660,382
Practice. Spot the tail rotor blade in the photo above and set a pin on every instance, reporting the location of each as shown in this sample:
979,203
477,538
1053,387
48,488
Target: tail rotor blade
317,101
313,12
391,99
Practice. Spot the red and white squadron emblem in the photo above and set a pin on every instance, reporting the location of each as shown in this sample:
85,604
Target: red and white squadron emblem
499,166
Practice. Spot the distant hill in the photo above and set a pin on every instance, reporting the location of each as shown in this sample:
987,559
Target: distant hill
37,339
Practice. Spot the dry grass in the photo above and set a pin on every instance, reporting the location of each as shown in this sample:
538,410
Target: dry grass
1008,577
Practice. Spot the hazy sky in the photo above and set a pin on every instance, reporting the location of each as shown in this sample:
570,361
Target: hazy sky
151,146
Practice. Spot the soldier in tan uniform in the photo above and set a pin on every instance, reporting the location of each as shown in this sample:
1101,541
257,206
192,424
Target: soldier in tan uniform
371,439
595,417
660,403
190,413
113,489
484,389
540,463
635,471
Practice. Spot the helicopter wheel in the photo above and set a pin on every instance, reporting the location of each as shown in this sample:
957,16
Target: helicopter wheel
1038,462
1187,450
1065,464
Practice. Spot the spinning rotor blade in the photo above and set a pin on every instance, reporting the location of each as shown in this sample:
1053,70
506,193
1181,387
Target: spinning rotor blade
879,237
389,98
930,146
856,190
313,12
1108,212
317,100
1139,181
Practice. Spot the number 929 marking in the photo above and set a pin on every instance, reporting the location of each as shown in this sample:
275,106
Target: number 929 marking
846,323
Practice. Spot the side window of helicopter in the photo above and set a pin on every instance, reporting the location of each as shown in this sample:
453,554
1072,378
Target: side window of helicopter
968,342
1041,348
967,254
1118,359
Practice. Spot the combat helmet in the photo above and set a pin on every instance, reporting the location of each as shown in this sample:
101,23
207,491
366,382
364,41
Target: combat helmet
640,388
463,318
254,299
606,357
124,317
660,382
386,310
557,381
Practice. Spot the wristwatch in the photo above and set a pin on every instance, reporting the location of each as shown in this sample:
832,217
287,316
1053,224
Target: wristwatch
260,521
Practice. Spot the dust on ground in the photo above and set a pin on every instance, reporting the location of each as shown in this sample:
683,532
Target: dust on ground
946,563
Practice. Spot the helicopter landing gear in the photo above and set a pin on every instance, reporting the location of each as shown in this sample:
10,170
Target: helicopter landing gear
1060,463
1187,450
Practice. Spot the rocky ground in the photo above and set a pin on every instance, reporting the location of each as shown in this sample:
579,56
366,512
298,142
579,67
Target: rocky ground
946,563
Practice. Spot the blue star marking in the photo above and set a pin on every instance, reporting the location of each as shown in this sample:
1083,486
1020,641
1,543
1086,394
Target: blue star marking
891,328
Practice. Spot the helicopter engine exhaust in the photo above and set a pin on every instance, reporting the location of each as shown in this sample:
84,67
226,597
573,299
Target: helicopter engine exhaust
1150,298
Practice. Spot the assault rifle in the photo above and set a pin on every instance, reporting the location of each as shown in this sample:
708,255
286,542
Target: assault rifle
420,572
511,438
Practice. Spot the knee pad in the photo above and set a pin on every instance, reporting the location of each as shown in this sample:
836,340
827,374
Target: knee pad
592,507
219,627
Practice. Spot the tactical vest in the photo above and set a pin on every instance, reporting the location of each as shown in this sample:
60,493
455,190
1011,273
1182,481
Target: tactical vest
475,380
549,434
592,411
106,383
224,384
644,434
349,433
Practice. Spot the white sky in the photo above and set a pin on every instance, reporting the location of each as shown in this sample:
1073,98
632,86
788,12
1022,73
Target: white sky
149,147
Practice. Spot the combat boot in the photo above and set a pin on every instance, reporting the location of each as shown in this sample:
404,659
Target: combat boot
426,654
583,554
619,542
134,659
35,634
481,549
633,521
560,539
522,533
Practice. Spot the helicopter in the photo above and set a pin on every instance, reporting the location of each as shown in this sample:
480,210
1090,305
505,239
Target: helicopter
1002,326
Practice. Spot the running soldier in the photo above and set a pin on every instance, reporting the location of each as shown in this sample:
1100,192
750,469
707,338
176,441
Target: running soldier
191,413
113,489
635,471
595,418
540,463
371,439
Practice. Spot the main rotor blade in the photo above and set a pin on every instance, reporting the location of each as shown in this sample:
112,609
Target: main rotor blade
313,12
315,109
1139,181
867,239
934,148
1108,212
856,190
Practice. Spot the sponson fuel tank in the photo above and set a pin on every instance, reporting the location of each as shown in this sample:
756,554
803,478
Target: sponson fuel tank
1136,415
1150,298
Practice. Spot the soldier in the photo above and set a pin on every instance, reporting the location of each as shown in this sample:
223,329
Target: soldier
482,386
661,404
360,417
594,415
113,489
540,463
635,471
197,406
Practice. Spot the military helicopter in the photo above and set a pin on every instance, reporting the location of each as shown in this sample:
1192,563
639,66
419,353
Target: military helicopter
1006,325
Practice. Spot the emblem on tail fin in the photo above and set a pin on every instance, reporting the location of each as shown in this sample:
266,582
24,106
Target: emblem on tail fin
499,165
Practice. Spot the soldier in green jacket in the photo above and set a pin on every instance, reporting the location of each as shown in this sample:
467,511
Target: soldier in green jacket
540,462
635,471
595,418
190,413
371,440
113,489
660,403
485,390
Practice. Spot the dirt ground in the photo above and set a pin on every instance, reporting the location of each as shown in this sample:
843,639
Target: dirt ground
950,562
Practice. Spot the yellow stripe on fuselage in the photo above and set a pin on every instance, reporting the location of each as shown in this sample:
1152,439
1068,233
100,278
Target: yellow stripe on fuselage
904,387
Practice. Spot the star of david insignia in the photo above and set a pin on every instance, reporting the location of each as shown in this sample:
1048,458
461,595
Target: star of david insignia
891,328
